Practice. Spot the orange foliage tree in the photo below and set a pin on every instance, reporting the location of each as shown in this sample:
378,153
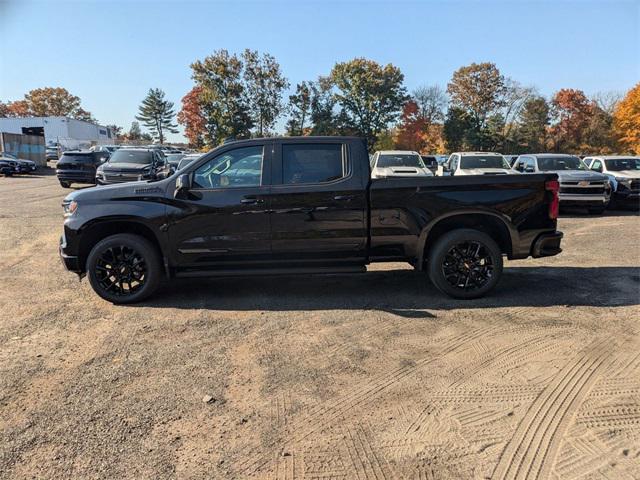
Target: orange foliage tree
191,116
626,120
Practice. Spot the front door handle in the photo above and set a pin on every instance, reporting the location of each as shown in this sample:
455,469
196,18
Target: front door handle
344,197
251,201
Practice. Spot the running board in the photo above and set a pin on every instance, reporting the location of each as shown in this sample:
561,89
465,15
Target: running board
272,271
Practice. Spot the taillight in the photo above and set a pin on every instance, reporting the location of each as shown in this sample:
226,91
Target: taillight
553,186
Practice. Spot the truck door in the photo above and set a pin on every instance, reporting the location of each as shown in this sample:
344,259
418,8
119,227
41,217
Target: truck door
319,202
224,221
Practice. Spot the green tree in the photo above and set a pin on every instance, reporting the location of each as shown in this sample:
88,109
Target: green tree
222,95
324,120
533,124
371,96
264,86
135,133
456,128
300,109
477,89
157,114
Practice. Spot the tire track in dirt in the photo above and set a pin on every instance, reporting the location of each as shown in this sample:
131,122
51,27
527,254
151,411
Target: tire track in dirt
533,447
326,415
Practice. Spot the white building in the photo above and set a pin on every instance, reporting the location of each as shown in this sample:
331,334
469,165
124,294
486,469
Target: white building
64,131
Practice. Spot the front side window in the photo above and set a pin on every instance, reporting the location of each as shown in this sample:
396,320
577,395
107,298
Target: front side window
310,163
597,166
620,164
560,163
241,167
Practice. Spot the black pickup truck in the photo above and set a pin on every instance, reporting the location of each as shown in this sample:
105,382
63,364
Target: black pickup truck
304,205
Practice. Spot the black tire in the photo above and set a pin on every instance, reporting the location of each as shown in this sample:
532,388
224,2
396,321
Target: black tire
597,210
124,260
453,259
65,184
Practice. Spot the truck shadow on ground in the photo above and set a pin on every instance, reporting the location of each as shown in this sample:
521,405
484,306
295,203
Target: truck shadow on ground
403,292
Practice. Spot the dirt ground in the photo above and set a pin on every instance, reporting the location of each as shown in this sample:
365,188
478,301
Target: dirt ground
375,376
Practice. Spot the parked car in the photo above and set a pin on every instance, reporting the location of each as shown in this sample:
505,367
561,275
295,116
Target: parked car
51,153
578,185
623,173
398,163
131,164
77,166
24,165
188,159
174,159
105,148
476,163
431,162
304,205
7,166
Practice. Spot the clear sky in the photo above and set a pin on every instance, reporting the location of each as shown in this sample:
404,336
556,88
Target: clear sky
110,53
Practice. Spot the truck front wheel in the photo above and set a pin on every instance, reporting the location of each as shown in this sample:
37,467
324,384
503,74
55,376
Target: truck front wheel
124,268
465,263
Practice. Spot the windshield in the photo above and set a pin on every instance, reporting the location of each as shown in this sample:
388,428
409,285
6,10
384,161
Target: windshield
77,157
400,160
131,156
560,163
483,161
620,164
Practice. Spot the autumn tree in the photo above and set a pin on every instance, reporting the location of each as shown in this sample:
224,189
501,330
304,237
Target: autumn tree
115,130
192,117
626,120
264,86
571,113
431,102
299,108
135,132
370,95
412,128
222,96
477,89
47,102
156,113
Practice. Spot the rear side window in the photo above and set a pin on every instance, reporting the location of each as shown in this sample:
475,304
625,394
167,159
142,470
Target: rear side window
312,163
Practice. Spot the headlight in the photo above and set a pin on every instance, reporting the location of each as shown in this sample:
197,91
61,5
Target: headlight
624,181
69,208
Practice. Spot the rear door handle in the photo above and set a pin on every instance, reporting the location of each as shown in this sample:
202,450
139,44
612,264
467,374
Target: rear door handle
344,197
251,200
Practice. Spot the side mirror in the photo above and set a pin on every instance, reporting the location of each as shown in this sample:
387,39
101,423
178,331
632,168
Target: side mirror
183,184
529,169
597,169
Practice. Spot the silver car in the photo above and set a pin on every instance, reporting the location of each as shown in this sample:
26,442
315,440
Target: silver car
579,186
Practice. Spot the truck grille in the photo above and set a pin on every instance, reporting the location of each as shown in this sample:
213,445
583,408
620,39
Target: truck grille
120,177
591,188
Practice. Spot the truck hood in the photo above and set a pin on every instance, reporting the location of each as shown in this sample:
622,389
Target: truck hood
577,175
119,190
401,172
485,171
626,174
124,167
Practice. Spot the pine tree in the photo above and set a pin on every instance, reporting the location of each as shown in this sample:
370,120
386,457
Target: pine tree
157,114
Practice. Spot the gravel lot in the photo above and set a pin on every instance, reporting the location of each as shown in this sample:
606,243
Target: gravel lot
366,377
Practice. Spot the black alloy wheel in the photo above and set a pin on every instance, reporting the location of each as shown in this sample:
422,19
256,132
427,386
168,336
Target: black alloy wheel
468,266
465,263
124,268
121,270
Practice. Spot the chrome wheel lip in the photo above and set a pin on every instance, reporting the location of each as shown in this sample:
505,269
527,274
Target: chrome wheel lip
120,270
468,266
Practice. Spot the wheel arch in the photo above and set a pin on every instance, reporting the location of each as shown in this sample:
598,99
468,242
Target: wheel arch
490,223
96,231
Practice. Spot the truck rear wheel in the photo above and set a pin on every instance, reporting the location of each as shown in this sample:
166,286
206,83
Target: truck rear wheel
124,268
465,263
65,184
